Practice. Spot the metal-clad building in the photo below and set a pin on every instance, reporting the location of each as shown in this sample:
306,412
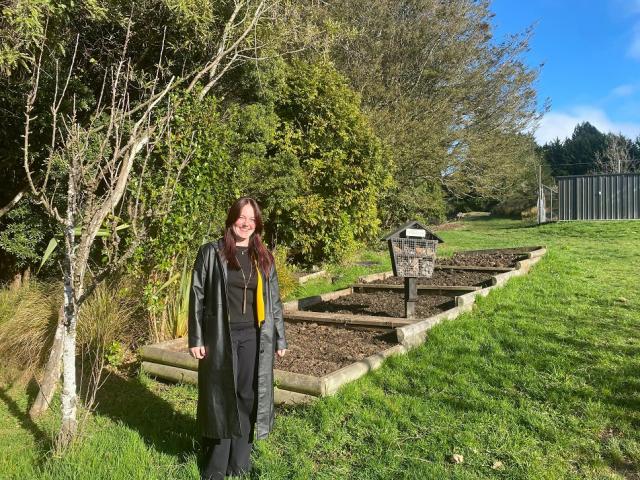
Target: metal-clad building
599,197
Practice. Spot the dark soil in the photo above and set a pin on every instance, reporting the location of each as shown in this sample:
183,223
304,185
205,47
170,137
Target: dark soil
446,278
383,304
320,349
505,258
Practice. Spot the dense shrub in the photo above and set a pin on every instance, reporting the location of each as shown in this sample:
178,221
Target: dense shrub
302,148
287,281
322,183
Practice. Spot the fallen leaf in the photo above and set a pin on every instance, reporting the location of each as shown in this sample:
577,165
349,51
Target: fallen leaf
456,458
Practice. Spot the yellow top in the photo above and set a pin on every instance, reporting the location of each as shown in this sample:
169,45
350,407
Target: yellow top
259,298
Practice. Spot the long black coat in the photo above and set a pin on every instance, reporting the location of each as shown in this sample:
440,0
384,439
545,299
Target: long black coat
209,326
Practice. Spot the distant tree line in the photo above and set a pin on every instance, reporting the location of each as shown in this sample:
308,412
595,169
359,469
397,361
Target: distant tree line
590,151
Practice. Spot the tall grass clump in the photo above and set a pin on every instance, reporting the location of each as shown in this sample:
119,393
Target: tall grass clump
28,319
107,325
109,315
107,328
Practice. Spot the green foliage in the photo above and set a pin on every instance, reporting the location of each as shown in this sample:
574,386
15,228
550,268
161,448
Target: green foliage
286,279
304,150
25,234
575,155
450,102
178,304
22,28
590,151
420,201
193,197
114,354
327,169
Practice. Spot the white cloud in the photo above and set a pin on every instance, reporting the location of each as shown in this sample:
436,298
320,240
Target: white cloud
634,48
561,124
624,90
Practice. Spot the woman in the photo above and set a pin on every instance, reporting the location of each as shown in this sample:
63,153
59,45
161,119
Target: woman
235,324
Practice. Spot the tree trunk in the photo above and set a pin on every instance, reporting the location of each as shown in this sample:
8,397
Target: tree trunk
69,425
51,374
69,397
16,283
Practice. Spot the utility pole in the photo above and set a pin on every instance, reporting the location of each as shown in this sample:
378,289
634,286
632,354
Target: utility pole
540,195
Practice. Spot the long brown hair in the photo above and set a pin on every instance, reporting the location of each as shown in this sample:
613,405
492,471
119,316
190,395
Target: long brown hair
257,249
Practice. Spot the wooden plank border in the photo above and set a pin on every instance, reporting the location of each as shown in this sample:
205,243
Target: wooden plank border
445,291
303,303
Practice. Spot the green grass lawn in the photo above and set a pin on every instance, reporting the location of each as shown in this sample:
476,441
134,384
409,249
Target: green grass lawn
541,380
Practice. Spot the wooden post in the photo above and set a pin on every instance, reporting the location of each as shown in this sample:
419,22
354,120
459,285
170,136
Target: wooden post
410,296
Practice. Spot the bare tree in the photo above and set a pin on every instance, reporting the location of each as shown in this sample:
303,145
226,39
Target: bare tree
93,161
13,202
617,156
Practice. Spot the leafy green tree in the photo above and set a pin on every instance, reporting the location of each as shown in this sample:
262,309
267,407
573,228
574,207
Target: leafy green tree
449,101
576,155
336,166
582,147
296,140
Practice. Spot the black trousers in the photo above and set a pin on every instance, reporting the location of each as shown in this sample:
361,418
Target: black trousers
232,456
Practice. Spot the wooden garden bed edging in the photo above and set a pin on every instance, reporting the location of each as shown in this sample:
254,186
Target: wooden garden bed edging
291,387
375,277
414,335
170,372
303,303
473,268
444,291
330,383
529,250
346,319
157,354
310,276
523,267
184,375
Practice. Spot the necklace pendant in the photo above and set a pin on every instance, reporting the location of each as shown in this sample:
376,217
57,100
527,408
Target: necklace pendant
244,300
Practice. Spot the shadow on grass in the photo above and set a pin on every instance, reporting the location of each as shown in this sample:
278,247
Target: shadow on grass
43,440
129,401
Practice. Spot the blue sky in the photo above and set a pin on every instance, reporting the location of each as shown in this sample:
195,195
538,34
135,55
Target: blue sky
591,55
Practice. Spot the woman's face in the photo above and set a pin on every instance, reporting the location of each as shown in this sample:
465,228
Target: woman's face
245,225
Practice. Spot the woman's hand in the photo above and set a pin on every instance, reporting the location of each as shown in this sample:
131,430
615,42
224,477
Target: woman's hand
281,353
198,352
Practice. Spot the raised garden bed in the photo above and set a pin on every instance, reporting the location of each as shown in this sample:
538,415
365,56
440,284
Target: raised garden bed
496,257
443,277
316,349
383,304
336,338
